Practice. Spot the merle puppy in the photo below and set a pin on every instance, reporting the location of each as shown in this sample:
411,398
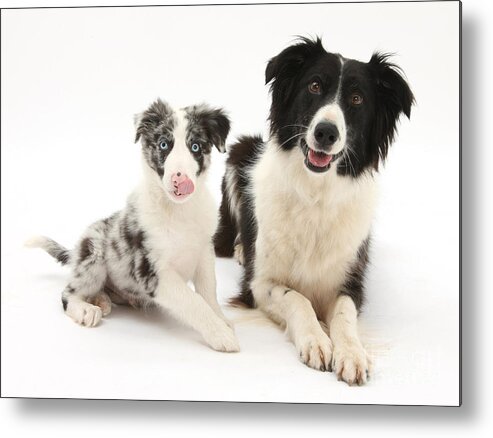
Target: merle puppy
297,209
147,252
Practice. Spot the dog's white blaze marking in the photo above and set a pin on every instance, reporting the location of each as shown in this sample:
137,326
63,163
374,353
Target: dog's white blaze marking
331,112
180,158
339,83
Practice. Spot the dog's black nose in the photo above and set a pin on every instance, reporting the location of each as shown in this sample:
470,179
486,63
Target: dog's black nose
326,134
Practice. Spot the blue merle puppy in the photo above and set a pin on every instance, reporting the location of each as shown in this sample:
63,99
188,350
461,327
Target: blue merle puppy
148,252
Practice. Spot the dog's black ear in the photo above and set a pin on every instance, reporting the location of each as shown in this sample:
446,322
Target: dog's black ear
393,97
147,121
284,67
217,125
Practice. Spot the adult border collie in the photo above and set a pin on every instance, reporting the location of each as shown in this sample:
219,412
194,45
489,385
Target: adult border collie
146,253
297,209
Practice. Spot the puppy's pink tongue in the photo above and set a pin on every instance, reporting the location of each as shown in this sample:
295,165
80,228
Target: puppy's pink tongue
185,187
319,159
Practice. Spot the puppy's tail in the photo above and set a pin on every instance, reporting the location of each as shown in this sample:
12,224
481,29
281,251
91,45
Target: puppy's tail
54,249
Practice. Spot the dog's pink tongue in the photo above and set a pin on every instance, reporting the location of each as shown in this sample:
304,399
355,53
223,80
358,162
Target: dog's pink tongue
185,187
319,159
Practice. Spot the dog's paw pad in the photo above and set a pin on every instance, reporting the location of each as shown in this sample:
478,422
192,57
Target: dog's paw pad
351,364
316,351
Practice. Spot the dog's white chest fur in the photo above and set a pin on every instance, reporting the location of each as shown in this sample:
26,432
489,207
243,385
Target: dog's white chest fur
180,233
309,226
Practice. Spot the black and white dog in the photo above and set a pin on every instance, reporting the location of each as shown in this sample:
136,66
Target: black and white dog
147,252
297,209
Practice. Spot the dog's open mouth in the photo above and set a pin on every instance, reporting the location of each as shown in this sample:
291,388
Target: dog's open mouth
318,161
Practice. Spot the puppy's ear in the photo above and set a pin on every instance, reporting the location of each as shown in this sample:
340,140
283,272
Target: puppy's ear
284,67
393,98
145,122
217,125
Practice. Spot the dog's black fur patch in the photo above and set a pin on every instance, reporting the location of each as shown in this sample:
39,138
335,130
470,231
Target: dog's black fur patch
206,127
355,278
155,125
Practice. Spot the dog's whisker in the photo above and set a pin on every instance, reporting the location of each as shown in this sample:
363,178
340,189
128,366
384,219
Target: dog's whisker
294,126
290,138
351,151
347,154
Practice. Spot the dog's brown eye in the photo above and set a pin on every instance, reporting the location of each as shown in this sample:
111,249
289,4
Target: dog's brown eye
356,99
315,87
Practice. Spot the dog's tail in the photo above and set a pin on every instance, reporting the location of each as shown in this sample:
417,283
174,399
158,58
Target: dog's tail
54,249
242,155
226,232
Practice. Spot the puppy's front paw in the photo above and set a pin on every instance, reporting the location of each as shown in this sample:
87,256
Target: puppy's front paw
315,350
84,313
223,339
350,362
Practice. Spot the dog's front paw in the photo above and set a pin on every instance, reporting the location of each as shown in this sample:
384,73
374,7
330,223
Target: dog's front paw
350,362
315,350
223,339
84,313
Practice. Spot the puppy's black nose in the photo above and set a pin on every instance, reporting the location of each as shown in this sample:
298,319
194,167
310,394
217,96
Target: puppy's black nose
326,134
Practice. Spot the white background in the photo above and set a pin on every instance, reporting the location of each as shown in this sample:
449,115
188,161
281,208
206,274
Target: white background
49,119
74,78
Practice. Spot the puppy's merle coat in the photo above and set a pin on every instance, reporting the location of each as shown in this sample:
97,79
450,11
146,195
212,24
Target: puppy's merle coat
297,209
146,253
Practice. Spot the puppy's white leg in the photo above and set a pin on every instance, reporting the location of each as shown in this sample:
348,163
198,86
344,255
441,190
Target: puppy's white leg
189,307
350,360
289,307
205,282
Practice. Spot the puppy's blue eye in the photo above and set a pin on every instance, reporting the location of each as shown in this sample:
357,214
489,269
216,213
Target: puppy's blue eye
163,145
195,147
